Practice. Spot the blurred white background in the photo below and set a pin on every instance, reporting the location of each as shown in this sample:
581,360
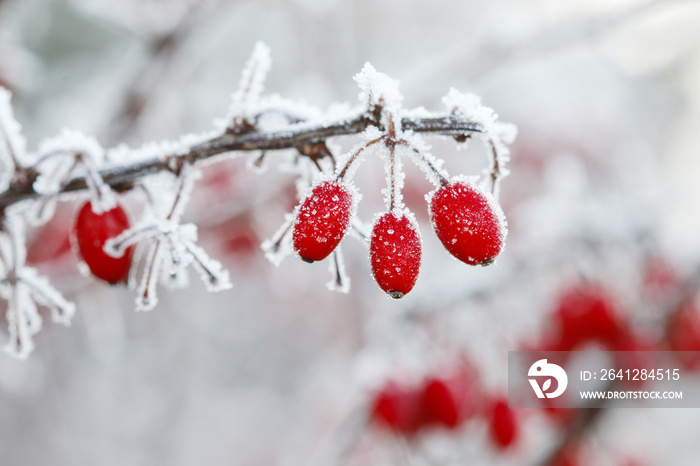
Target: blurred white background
605,173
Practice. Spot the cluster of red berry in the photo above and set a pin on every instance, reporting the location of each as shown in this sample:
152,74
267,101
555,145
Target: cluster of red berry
468,222
445,400
588,314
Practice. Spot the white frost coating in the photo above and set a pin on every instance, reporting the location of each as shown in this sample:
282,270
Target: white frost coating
214,276
339,281
251,85
20,344
62,310
418,112
275,112
187,178
378,89
419,152
171,246
360,231
13,145
69,155
394,179
117,246
371,133
23,289
350,161
496,135
355,196
147,298
154,151
279,245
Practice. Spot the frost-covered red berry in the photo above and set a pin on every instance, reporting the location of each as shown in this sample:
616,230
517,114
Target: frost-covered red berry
468,221
395,252
503,426
90,233
322,220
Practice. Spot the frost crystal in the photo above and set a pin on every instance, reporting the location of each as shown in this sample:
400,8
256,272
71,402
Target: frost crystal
23,289
393,199
252,84
339,281
170,247
71,155
495,134
378,89
279,245
13,146
418,151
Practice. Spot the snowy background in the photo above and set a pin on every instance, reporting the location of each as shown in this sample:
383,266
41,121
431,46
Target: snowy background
603,183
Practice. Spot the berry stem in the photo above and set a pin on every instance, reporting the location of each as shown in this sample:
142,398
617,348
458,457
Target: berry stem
122,176
354,157
360,232
337,268
185,182
427,165
10,150
201,262
495,168
392,177
150,278
278,242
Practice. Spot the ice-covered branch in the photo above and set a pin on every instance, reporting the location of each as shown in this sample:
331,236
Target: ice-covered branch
121,176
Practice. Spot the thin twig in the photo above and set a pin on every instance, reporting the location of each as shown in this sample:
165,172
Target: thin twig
354,157
392,177
427,163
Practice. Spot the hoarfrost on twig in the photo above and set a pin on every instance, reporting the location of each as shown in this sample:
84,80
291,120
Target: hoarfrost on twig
378,89
339,281
250,87
24,288
73,155
170,245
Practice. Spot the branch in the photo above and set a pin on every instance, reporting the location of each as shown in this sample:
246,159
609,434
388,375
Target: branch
121,177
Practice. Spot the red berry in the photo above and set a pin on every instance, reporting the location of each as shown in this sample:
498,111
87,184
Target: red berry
503,424
586,314
447,400
90,233
52,241
684,334
468,222
397,408
322,220
395,252
569,456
